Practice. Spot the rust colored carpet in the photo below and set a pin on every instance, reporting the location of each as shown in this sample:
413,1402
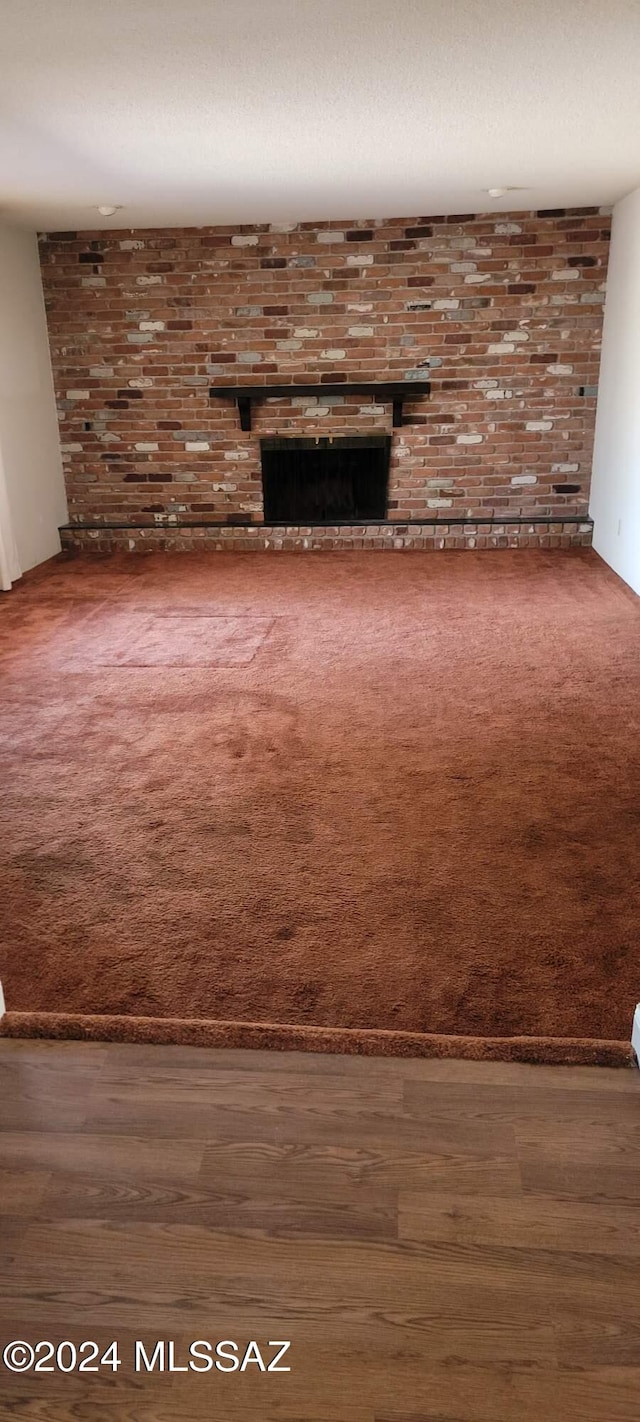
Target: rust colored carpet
351,802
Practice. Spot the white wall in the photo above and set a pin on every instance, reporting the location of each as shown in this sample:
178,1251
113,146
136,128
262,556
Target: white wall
615,488
30,465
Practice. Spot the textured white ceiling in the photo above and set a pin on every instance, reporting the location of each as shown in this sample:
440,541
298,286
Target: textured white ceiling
209,111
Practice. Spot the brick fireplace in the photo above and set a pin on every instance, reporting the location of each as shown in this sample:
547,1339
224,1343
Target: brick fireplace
500,314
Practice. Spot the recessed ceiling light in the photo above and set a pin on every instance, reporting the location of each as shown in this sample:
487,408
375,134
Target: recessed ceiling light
109,211
499,192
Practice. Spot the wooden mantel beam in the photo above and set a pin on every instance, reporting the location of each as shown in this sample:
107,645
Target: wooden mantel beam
397,391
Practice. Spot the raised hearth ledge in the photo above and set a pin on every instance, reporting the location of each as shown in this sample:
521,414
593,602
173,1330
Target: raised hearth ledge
545,519
428,535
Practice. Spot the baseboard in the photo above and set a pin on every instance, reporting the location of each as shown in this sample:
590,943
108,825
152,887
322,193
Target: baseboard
635,1034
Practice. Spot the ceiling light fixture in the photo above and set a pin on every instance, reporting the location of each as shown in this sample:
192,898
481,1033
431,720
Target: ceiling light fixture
109,211
499,192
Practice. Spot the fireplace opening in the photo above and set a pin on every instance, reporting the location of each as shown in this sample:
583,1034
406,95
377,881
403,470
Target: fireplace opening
325,480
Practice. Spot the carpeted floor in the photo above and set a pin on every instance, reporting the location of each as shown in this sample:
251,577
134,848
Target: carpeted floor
357,802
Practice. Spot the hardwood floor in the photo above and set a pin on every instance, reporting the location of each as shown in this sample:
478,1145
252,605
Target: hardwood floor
440,1241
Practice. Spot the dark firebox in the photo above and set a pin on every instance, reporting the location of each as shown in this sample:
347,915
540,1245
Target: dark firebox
325,480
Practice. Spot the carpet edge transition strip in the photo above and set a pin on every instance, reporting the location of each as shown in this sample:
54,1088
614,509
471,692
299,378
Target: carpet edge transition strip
279,1036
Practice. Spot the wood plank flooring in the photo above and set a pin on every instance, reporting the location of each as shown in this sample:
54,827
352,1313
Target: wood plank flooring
440,1241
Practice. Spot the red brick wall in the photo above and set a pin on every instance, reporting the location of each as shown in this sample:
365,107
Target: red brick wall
502,312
